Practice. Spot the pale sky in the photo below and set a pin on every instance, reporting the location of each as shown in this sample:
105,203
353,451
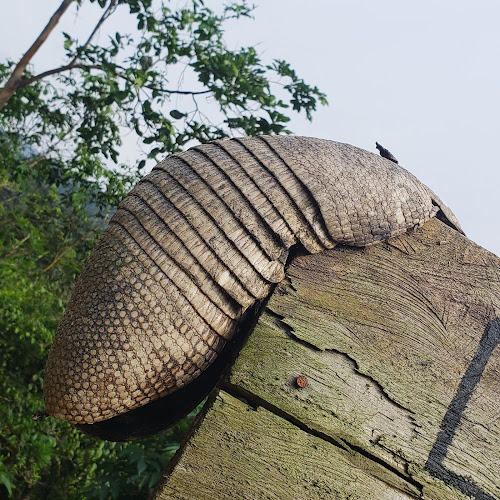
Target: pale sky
422,78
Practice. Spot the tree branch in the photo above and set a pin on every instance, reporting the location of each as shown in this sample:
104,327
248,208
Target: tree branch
160,89
16,80
110,10
15,248
182,92
68,67
17,75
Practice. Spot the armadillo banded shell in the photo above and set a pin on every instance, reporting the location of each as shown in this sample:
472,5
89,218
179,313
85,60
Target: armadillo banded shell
198,241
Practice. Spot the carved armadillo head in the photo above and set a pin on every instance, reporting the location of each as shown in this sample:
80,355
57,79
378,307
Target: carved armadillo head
197,242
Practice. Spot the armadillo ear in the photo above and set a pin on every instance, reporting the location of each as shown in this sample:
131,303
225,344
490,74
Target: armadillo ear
445,215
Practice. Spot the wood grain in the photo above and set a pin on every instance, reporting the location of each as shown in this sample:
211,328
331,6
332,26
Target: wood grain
282,462
398,345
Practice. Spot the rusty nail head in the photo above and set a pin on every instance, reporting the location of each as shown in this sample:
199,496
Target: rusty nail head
301,381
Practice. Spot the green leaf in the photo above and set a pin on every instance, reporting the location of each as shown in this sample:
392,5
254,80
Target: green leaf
177,114
68,41
6,480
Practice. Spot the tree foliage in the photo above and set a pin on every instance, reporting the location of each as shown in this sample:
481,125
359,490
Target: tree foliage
170,83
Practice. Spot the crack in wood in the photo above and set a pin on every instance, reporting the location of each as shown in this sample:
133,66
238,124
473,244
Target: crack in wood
290,331
355,452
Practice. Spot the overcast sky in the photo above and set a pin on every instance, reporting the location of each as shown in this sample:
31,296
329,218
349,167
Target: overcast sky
422,78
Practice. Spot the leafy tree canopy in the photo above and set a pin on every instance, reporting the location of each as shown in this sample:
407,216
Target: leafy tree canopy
60,177
73,117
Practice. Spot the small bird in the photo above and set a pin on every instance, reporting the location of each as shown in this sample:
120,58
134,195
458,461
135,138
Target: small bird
385,153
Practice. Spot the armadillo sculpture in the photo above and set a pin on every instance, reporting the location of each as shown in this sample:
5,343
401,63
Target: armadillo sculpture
196,243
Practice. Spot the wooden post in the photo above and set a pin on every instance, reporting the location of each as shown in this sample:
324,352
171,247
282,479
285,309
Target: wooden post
370,374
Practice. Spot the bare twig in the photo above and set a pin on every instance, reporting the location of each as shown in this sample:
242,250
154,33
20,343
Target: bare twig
181,92
17,75
160,89
110,10
69,67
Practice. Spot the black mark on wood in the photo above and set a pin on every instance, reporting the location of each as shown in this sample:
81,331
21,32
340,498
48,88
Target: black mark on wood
449,425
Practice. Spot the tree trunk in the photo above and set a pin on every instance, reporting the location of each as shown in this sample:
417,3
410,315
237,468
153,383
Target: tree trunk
16,78
398,390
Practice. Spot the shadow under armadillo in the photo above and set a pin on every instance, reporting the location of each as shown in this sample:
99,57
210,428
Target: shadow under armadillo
160,414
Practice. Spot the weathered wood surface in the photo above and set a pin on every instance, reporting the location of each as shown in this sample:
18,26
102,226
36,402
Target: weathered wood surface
397,342
281,461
